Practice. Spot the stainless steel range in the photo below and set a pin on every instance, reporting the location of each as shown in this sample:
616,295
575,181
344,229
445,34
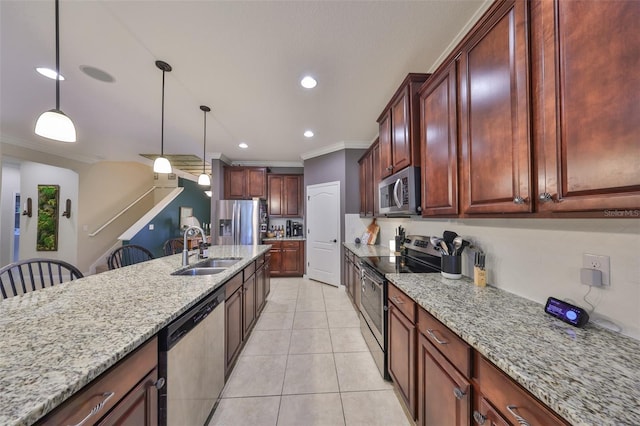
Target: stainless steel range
419,256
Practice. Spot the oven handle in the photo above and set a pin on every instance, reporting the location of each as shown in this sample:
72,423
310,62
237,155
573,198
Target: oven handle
364,271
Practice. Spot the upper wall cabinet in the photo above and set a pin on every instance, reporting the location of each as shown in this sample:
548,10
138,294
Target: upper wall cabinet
439,143
586,64
242,183
494,113
285,195
400,128
369,179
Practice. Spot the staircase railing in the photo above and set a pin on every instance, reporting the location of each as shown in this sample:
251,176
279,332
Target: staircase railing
123,211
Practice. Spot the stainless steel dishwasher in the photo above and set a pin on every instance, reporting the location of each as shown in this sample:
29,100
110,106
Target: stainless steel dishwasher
192,359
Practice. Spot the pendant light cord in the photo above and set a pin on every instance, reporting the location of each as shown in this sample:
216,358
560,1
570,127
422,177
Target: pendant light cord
57,58
204,143
162,120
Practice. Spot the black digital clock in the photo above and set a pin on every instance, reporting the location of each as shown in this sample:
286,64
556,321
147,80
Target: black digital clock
566,312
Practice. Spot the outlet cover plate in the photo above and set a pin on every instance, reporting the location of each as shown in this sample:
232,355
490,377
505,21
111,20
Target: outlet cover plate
599,262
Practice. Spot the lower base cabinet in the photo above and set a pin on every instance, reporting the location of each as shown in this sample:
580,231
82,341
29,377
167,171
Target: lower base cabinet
287,258
126,394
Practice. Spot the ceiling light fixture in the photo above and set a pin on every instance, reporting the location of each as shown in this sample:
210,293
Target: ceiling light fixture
308,82
54,124
308,134
162,164
243,145
49,73
204,178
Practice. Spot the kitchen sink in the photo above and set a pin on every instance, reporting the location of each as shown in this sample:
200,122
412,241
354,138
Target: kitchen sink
194,270
211,266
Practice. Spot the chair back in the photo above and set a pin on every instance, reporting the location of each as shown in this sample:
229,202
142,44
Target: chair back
128,255
35,274
173,246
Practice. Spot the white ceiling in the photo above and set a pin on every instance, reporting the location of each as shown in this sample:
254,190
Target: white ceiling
243,59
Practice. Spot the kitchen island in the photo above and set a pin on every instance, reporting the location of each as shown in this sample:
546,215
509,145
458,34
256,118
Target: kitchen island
55,341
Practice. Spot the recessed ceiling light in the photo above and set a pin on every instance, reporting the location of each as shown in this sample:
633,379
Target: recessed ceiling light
49,73
308,82
308,134
243,145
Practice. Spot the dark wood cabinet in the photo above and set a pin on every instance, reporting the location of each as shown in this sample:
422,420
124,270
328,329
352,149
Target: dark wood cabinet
495,113
586,57
285,194
139,407
352,278
369,181
399,128
241,183
262,284
287,258
402,350
249,303
234,331
439,143
484,414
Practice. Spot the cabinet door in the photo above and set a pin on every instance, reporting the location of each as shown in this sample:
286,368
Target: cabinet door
267,274
233,328
292,190
443,393
234,183
291,262
402,349
439,144
386,159
249,303
494,108
260,290
586,58
486,415
139,407
400,127
256,182
375,166
275,197
362,169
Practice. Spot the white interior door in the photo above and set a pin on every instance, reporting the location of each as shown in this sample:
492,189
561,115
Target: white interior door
323,232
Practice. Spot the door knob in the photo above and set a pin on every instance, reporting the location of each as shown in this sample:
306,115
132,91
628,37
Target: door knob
335,241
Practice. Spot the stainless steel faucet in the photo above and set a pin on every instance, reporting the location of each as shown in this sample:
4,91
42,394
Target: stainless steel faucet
185,250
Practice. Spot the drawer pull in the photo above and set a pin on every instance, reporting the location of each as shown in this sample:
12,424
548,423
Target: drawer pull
397,300
458,393
97,408
159,384
434,337
479,418
521,420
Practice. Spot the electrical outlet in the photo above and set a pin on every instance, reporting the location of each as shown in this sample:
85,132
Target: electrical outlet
599,262
151,227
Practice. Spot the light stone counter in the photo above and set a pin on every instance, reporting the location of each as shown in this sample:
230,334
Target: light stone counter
55,341
365,250
589,376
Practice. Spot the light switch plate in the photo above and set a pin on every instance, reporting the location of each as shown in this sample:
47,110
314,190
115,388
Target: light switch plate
600,263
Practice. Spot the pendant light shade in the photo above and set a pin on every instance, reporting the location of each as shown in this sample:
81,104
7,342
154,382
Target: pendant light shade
54,124
162,164
204,178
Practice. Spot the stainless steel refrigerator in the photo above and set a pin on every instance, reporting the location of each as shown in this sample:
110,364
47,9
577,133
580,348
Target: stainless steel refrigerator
241,222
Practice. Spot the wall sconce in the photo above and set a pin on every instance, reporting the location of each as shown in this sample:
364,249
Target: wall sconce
67,212
27,208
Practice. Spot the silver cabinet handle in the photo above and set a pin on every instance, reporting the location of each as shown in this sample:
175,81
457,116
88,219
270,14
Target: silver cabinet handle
107,396
544,197
518,200
458,393
397,300
479,418
521,420
432,334
159,384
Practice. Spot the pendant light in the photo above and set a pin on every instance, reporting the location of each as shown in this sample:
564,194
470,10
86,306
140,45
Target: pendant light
204,178
162,164
54,124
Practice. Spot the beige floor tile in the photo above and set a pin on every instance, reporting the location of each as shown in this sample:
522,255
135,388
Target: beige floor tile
343,319
314,373
310,341
259,411
310,305
256,376
347,340
275,321
358,372
267,342
283,294
280,305
319,409
373,408
310,320
338,304
310,293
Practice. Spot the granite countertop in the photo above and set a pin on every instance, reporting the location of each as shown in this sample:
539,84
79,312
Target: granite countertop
589,376
56,340
366,250
283,239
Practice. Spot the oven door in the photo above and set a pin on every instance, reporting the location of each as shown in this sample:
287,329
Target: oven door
373,316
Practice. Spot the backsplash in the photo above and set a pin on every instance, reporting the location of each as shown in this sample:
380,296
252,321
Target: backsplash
538,258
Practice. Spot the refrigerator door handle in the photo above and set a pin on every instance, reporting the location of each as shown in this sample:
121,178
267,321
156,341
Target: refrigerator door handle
233,223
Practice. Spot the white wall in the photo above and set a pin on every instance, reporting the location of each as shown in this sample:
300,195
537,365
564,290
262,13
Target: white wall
32,175
10,186
538,258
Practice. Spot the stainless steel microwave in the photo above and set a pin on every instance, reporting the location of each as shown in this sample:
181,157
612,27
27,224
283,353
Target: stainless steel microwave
399,194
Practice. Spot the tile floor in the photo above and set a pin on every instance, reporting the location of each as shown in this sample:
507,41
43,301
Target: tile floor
306,363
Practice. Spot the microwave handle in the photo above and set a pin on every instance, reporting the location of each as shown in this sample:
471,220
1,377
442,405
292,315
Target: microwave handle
396,195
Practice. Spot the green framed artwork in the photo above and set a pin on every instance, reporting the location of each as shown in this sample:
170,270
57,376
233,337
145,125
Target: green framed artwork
47,233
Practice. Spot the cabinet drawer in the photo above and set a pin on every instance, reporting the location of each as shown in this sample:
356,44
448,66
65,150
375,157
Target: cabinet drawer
291,244
446,341
232,285
509,398
119,380
404,303
249,270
